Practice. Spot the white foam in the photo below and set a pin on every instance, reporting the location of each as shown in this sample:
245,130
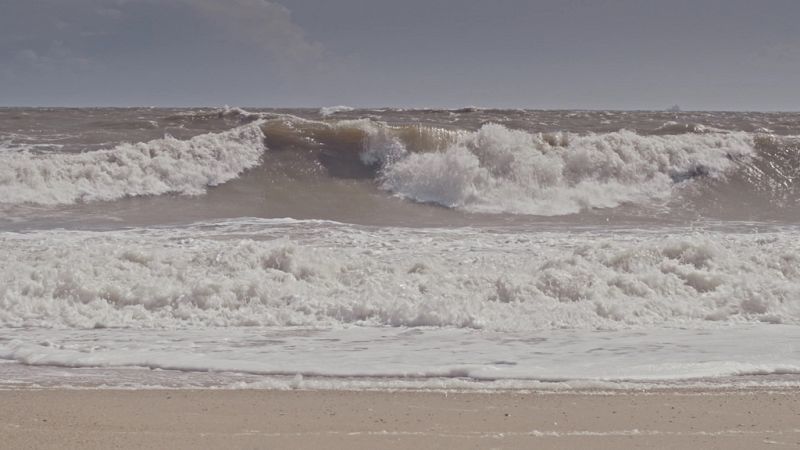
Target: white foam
322,274
156,167
240,113
673,127
498,170
329,110
15,142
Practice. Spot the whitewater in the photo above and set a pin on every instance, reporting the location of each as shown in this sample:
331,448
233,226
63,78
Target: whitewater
389,249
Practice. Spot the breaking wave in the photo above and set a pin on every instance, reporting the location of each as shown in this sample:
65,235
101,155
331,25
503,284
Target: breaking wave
495,169
156,167
492,169
499,170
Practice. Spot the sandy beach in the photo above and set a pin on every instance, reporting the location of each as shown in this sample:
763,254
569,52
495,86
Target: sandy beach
346,419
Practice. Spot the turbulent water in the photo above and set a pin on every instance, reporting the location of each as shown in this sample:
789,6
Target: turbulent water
386,248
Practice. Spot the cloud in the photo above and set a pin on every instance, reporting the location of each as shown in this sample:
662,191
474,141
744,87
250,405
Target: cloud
47,37
54,58
264,24
177,48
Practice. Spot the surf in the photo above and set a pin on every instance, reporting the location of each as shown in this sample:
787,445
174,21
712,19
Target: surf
491,169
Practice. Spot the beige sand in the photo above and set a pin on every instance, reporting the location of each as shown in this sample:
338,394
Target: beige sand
369,420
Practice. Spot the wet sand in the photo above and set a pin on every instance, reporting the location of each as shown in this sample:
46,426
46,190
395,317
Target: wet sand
190,419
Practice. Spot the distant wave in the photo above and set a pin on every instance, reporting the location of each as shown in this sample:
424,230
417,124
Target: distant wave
673,127
156,167
328,110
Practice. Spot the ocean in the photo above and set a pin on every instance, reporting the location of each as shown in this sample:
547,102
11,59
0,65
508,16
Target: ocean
343,248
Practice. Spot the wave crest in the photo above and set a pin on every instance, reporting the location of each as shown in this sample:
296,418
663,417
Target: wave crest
499,170
329,110
161,166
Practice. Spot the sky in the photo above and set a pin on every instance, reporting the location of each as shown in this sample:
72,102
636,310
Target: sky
548,54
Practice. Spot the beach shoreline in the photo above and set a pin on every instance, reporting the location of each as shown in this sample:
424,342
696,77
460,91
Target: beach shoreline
61,418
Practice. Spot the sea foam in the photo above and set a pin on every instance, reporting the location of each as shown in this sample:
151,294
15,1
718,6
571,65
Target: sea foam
318,274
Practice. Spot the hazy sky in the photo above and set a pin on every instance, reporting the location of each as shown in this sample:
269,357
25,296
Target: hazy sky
620,54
